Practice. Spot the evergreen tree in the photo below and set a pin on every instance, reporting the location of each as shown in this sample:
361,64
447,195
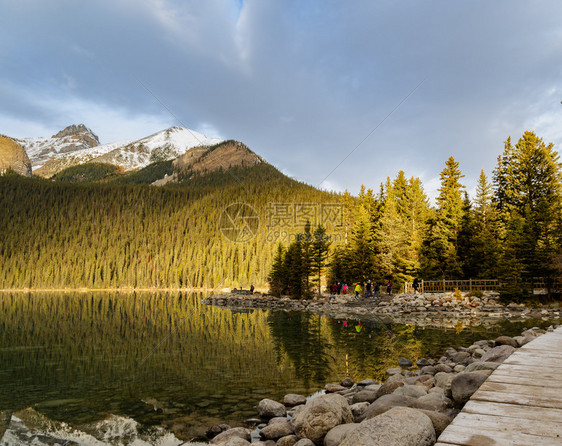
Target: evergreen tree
484,255
528,195
278,276
361,261
319,254
441,245
391,240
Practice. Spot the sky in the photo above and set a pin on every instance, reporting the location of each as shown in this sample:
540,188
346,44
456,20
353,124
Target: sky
333,93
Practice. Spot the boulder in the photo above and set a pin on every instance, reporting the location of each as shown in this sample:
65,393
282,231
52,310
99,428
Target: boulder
479,365
427,381
213,431
235,432
388,387
347,382
289,440
292,400
367,382
334,388
461,358
393,371
498,354
465,384
506,340
400,426
411,391
432,401
338,433
384,403
358,409
304,442
405,363
234,441
443,380
428,370
442,368
440,420
422,362
321,415
523,340
269,409
364,396
274,431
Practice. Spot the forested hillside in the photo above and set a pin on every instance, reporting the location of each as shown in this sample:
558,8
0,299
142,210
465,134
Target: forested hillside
58,235
223,228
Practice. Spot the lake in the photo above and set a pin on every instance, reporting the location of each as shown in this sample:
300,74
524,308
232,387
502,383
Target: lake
100,368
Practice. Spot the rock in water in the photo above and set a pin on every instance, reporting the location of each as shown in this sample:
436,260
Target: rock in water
293,399
400,426
232,435
321,415
269,409
5,419
13,156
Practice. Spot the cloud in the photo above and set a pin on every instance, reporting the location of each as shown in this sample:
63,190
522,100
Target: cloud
301,83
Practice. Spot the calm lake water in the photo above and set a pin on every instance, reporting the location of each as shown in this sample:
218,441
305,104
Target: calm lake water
119,367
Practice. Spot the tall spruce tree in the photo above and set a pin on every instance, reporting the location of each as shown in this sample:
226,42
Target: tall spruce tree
528,185
441,246
484,255
391,239
319,254
278,275
361,261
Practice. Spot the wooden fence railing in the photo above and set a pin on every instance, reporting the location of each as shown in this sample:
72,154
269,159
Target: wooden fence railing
442,286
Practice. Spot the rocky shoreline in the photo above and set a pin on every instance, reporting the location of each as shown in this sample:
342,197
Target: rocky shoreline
411,408
421,309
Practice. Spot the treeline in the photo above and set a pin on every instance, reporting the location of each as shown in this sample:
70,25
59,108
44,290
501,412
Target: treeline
66,235
63,234
511,230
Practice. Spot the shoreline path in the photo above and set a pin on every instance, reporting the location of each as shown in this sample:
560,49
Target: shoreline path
519,404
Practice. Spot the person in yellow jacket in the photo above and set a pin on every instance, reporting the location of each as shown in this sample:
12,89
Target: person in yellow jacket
358,290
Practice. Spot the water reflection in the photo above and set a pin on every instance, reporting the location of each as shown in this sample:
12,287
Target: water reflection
167,359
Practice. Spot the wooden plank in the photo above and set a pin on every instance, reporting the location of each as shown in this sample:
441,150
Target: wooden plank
507,424
518,398
519,404
534,370
514,411
553,353
548,392
480,436
525,380
545,362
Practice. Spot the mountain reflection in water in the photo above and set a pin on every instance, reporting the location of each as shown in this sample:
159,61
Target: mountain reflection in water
164,359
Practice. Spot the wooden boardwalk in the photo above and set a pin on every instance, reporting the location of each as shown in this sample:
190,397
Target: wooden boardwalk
519,404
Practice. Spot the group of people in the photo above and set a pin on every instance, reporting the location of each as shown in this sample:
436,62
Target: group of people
372,289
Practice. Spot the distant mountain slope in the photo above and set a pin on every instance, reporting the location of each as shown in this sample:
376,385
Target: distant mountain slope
13,156
204,160
78,145
71,139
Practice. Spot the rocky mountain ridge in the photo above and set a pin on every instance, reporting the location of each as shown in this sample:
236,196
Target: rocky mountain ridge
14,157
77,144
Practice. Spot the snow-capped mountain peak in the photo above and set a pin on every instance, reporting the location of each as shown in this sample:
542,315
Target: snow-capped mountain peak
78,145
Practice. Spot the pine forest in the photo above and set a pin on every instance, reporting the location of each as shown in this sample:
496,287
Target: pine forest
110,231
